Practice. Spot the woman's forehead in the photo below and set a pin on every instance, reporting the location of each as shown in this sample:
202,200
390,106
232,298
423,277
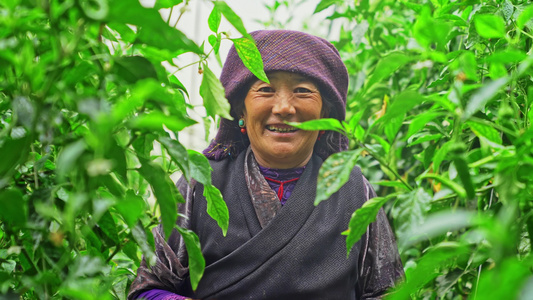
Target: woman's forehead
276,75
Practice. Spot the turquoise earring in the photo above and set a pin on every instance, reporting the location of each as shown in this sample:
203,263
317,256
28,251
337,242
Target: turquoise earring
242,125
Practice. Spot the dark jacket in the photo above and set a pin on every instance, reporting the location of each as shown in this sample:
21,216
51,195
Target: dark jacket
300,254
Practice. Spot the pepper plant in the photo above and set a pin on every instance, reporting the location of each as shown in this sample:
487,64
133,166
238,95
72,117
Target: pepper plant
85,102
440,111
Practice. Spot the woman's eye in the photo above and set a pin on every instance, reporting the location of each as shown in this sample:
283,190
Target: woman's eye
302,90
266,89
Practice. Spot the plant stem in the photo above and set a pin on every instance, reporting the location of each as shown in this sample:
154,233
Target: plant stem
386,165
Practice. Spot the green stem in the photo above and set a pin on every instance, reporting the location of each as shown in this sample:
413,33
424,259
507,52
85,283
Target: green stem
170,15
386,165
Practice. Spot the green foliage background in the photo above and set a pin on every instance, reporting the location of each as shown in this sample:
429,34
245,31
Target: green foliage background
439,117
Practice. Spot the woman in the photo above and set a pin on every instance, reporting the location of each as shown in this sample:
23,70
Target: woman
278,244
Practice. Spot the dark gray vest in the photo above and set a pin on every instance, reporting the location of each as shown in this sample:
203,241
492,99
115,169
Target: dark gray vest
301,254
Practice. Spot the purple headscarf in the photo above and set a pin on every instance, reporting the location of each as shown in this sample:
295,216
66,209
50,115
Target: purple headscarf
289,51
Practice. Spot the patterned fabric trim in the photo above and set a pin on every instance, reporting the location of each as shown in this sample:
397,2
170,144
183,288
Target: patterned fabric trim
264,199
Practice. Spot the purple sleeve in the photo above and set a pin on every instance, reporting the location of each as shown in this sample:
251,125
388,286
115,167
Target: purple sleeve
160,295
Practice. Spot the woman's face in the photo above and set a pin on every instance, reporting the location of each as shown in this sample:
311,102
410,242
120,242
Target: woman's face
288,98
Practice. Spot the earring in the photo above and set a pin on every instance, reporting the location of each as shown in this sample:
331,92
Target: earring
320,134
242,125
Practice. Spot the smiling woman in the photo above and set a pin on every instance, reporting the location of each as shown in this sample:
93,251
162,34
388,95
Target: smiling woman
278,244
288,98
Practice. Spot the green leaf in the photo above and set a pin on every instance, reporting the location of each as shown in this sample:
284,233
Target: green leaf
410,209
464,174
485,131
68,157
382,142
420,121
165,193
216,207
437,224
214,19
392,126
149,21
334,173
360,220
250,56
320,124
155,121
199,167
509,279
212,92
421,138
323,4
159,4
396,184
386,67
214,41
490,26
525,16
13,152
436,258
13,207
457,188
108,225
428,30
178,153
482,96
194,252
134,68
507,56
232,17
131,208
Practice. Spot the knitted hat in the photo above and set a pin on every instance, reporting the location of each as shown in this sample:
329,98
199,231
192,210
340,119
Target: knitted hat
289,51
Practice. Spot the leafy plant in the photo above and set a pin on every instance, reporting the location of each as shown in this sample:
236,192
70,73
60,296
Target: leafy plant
88,113
440,109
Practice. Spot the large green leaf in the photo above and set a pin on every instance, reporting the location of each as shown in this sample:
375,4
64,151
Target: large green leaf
436,257
194,252
216,207
131,208
525,16
386,67
250,56
14,209
482,96
149,21
334,173
490,26
214,19
361,218
155,121
165,193
483,130
134,68
13,152
178,153
232,17
212,92
438,224
320,124
428,30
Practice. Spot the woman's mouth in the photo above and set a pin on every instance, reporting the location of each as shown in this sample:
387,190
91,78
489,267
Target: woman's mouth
281,129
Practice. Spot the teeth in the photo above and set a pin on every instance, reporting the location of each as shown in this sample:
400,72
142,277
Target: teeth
284,129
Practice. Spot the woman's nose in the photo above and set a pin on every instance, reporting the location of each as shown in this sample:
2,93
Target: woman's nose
283,105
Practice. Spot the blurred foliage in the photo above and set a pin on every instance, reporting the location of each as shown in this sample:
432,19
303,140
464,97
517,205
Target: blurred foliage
439,118
88,120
